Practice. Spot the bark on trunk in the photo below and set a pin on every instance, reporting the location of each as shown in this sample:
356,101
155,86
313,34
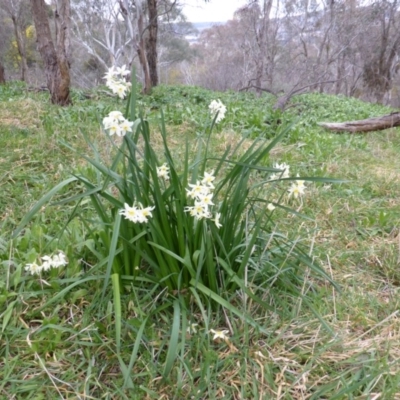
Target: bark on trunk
63,24
141,50
151,42
20,47
55,61
2,75
365,125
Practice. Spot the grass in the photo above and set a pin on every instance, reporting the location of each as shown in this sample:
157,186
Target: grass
57,337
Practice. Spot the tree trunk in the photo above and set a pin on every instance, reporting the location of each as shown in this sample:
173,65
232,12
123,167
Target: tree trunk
261,38
151,42
63,27
2,75
55,60
141,50
365,125
20,47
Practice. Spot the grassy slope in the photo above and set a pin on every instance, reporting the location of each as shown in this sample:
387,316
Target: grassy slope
67,350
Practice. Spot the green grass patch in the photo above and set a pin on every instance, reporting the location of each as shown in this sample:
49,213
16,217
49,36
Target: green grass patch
66,336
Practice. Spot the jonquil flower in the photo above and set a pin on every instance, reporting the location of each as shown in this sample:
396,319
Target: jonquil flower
137,215
297,189
125,126
115,80
145,213
59,260
220,334
216,220
197,190
192,328
201,192
163,172
271,207
216,106
123,71
284,171
47,263
33,268
116,124
208,179
55,261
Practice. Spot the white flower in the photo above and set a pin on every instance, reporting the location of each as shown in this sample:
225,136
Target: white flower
108,121
163,172
208,179
123,71
198,190
115,129
192,328
116,124
110,74
135,214
33,268
115,80
125,126
130,213
145,213
59,260
112,84
201,193
215,107
216,220
47,263
297,189
120,89
271,207
199,211
299,182
116,115
220,334
205,199
284,171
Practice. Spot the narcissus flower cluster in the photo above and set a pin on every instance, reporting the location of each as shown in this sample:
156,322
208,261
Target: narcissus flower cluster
116,81
116,124
163,172
136,214
201,193
297,189
216,106
284,171
55,261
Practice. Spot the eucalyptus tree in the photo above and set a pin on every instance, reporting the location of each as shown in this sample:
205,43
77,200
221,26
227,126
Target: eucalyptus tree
99,27
2,74
380,49
16,11
122,31
54,53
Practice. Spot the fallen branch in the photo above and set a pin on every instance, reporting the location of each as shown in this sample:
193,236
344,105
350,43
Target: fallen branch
37,89
364,125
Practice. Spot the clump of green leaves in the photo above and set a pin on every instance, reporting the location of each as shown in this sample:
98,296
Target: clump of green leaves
194,257
176,249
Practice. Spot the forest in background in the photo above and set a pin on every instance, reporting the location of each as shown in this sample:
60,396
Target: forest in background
283,47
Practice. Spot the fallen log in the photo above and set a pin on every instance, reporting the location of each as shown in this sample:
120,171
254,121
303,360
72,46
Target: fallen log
364,125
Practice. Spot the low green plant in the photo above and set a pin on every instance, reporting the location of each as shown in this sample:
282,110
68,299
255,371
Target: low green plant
149,235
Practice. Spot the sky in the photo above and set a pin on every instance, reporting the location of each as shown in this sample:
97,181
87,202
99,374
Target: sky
213,11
